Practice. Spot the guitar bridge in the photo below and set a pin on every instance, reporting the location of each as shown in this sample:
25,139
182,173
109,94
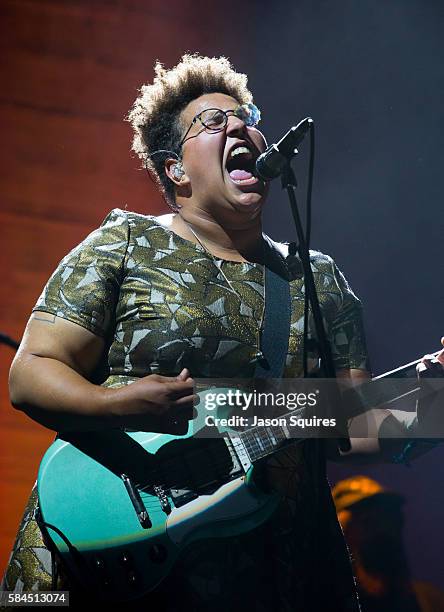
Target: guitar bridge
163,499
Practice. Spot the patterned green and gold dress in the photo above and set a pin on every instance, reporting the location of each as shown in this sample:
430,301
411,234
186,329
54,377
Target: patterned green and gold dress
161,303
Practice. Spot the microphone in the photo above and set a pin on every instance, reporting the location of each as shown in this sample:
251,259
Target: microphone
271,163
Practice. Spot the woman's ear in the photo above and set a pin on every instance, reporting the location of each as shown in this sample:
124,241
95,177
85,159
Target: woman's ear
175,172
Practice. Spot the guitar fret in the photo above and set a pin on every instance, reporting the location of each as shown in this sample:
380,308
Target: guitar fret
268,446
278,430
272,436
261,441
271,439
241,450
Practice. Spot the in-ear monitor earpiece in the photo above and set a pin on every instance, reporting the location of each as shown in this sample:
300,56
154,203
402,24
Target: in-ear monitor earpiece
178,170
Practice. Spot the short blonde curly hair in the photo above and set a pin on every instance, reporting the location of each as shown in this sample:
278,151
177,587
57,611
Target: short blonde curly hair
155,114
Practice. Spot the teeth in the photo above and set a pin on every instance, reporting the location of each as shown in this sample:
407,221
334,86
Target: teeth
239,151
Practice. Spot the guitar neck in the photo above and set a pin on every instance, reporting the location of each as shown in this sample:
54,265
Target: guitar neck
263,440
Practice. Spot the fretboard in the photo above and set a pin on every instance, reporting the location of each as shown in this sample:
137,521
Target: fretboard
260,441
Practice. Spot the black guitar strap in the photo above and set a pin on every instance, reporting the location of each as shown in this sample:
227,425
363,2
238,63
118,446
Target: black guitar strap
277,315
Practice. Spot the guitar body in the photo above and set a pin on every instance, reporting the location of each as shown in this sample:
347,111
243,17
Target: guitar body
190,488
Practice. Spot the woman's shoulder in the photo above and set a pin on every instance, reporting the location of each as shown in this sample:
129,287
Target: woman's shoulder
119,216
288,250
141,230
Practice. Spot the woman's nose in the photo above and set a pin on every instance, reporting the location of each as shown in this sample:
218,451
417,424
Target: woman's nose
235,125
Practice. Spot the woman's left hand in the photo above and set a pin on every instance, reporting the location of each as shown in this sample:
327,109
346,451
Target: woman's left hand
430,405
432,362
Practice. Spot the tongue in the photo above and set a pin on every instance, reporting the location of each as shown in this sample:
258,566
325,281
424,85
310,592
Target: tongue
240,175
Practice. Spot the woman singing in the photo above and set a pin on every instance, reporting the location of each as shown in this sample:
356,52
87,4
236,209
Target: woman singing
145,303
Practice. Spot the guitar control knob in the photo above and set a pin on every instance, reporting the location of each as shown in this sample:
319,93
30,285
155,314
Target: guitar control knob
103,576
99,564
126,559
106,581
132,578
158,553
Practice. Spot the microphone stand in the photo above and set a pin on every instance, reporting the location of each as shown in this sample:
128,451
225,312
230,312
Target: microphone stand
343,443
289,183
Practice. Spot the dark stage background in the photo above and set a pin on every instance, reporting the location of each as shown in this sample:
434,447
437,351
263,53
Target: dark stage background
370,74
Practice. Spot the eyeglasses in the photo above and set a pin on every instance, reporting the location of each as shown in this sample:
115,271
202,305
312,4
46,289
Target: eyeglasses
214,119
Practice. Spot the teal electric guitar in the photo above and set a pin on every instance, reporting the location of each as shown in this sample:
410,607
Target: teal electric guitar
119,506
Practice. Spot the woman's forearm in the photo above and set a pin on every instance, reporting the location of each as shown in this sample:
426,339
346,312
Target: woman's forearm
56,396
384,436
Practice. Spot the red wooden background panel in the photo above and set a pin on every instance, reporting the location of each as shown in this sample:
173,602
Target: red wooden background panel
70,72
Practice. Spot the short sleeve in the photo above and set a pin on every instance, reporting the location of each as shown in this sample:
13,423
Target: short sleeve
84,288
347,333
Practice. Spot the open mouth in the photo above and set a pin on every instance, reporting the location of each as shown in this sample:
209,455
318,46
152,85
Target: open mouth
241,165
